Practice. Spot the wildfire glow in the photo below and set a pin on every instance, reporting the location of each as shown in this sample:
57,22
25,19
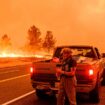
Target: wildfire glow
10,55
37,55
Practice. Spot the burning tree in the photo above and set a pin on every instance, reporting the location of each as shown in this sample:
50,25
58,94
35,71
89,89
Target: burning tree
34,38
5,43
49,41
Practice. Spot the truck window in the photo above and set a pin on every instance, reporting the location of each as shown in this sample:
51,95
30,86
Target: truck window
97,52
77,51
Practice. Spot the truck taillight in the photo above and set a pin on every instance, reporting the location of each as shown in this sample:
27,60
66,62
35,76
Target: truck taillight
91,72
31,69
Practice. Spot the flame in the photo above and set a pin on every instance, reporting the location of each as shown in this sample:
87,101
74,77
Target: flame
23,54
4,54
39,56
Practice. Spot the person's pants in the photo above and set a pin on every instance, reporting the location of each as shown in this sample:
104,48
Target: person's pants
67,88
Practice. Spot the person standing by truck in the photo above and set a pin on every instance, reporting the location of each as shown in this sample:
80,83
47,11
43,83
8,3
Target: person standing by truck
66,73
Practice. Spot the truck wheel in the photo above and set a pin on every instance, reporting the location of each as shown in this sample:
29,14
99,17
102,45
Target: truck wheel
103,76
94,95
40,94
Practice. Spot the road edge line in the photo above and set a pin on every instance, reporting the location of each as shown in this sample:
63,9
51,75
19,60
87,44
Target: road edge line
18,98
13,78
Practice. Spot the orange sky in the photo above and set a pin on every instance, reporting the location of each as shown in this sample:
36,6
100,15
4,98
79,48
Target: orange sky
71,21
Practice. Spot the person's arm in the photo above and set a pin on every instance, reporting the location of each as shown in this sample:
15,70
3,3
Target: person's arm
71,72
72,69
58,72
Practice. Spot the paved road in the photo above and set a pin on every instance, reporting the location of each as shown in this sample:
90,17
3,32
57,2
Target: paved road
16,89
33,100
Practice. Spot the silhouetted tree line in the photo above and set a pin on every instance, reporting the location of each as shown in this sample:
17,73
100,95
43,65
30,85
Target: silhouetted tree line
34,41
5,43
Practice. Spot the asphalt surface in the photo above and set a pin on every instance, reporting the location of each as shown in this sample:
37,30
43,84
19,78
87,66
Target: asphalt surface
16,89
14,84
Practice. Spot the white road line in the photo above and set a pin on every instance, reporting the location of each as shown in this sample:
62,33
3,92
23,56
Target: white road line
13,78
8,71
18,98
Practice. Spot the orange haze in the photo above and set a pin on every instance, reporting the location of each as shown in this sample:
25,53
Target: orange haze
71,21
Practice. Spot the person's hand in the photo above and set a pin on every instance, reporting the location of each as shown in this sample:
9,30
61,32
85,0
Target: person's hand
58,71
55,59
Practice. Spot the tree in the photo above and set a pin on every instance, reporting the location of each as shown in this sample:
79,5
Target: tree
49,41
5,42
34,38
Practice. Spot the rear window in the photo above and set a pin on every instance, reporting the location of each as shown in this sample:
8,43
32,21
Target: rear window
77,51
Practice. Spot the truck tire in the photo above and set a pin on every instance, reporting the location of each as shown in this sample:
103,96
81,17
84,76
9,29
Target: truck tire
40,94
94,95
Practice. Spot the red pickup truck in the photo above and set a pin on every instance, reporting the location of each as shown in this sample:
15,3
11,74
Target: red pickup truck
90,72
